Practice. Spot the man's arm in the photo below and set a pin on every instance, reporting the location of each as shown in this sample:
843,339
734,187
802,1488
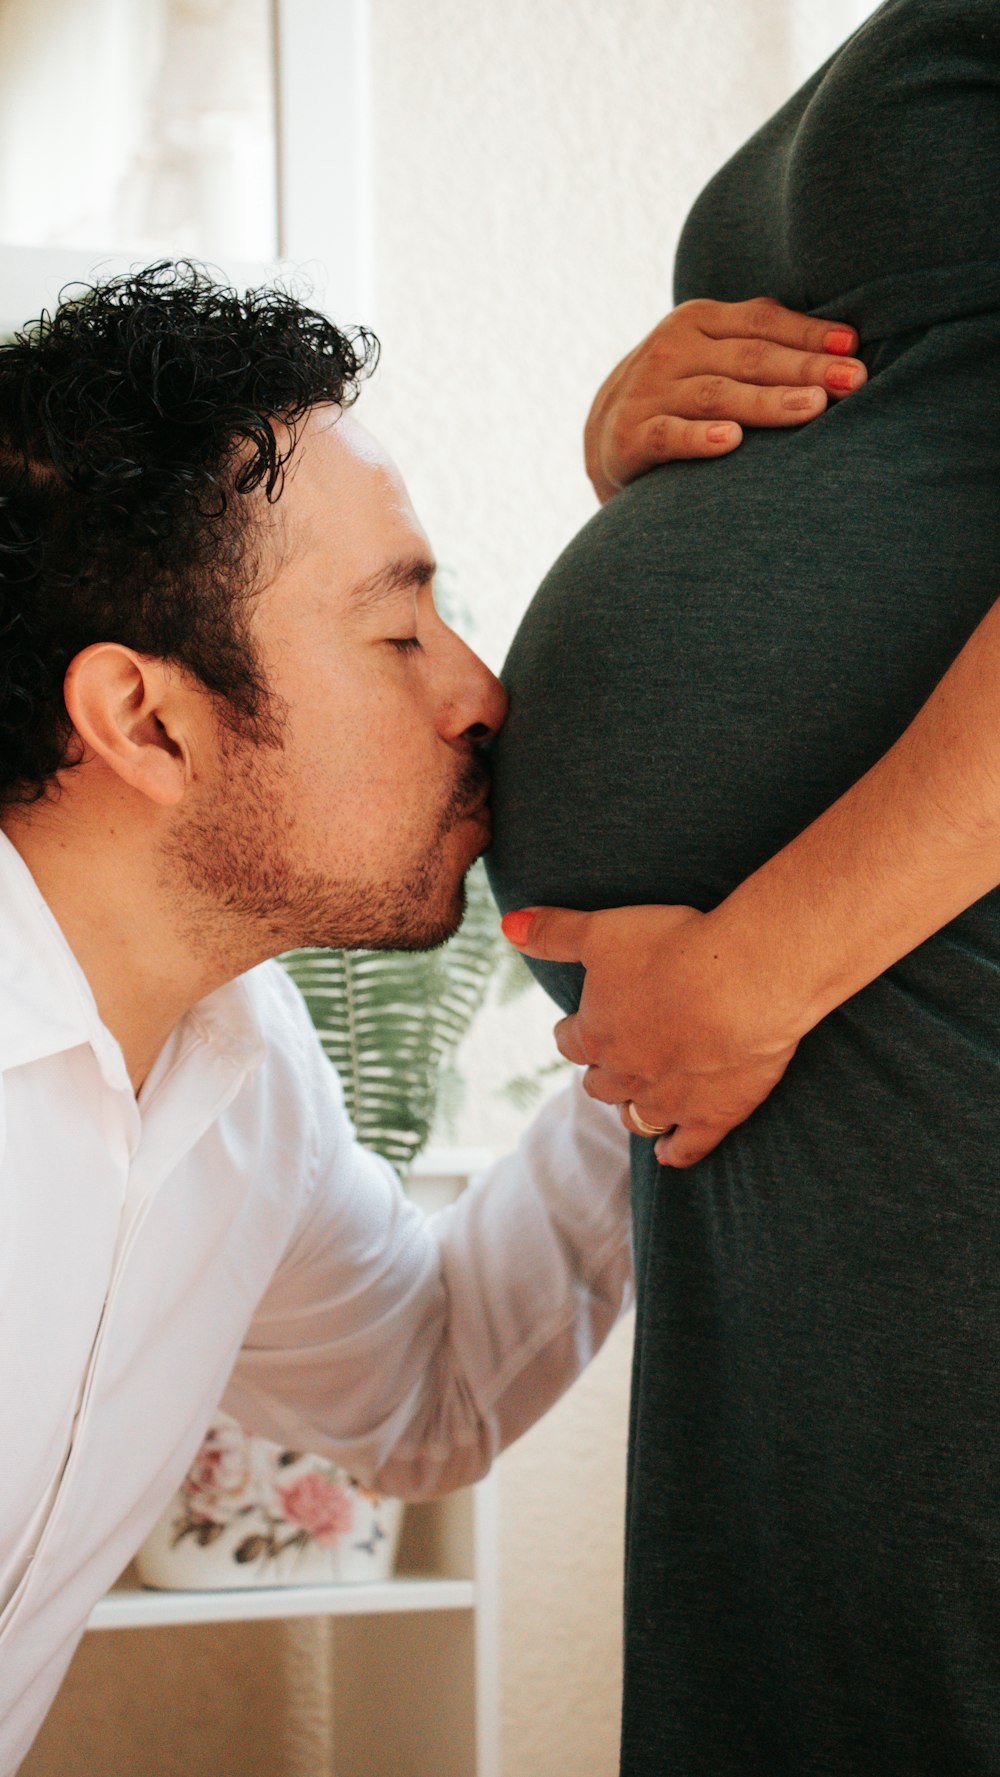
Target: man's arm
412,1350
694,1017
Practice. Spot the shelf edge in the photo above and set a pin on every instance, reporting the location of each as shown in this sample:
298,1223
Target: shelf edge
124,1608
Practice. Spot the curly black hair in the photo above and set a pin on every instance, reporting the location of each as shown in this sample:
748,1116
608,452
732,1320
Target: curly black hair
133,421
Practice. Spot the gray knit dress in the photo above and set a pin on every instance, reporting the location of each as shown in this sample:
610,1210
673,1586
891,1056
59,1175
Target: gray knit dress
813,1560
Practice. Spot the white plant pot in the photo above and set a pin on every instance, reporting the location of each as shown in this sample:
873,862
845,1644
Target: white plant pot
250,1513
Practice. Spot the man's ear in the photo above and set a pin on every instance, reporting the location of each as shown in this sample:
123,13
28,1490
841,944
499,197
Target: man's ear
133,712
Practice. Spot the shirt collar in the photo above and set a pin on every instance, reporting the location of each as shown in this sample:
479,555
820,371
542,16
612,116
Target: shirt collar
46,1001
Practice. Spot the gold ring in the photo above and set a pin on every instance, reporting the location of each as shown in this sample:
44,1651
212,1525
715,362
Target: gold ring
641,1126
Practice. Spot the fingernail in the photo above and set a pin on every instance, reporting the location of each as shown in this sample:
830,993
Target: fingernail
799,400
516,926
838,340
842,376
720,434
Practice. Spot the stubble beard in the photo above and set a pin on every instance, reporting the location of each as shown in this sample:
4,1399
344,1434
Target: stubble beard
237,886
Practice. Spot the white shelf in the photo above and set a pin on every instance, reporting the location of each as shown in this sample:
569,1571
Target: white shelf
130,1605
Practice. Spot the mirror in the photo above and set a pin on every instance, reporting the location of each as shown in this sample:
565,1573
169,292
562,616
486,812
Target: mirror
142,127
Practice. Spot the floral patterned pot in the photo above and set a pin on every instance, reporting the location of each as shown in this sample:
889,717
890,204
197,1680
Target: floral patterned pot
252,1514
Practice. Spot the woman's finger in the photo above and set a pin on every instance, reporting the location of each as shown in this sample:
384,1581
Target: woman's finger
763,318
666,437
611,1088
567,1036
760,361
684,1147
747,403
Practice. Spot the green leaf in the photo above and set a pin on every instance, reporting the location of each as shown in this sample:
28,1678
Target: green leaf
524,1090
390,1021
514,977
450,1098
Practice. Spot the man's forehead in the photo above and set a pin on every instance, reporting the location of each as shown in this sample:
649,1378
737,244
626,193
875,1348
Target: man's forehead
347,468
347,430
335,441
342,489
345,522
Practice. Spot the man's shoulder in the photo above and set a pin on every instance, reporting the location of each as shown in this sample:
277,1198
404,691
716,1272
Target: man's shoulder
290,1106
274,995
283,1017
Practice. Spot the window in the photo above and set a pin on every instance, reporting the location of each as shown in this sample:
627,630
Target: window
233,131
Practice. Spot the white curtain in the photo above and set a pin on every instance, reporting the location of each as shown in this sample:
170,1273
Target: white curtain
143,125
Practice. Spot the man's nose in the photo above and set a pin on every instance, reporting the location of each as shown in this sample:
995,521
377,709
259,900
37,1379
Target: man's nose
494,713
478,711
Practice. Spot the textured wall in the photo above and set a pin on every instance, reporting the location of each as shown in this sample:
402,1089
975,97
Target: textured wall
241,1700
534,162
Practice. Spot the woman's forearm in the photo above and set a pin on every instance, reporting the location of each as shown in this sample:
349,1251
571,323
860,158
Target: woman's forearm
911,845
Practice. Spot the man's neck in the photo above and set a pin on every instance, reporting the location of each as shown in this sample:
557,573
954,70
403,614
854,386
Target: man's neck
99,878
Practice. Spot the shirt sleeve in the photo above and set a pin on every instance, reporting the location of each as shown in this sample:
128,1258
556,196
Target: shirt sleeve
411,1349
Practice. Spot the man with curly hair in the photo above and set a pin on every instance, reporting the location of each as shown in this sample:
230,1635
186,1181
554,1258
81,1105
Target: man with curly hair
232,723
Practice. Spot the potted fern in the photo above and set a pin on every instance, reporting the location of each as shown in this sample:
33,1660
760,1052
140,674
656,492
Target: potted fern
390,1022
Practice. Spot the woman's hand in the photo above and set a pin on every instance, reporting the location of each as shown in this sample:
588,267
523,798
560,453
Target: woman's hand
675,1021
705,372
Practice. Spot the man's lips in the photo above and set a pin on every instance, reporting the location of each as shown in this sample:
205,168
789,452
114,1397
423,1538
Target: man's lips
479,810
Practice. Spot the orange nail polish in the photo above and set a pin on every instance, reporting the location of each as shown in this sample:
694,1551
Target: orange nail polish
840,376
516,926
838,340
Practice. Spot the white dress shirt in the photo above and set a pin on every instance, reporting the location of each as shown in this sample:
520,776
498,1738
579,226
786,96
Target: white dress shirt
223,1237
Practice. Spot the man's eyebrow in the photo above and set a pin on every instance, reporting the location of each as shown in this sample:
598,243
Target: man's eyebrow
396,576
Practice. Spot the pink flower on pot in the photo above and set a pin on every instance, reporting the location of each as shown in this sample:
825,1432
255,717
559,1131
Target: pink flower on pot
318,1506
217,1484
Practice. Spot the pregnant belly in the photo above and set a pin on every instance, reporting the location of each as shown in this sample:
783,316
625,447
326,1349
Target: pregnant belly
727,646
